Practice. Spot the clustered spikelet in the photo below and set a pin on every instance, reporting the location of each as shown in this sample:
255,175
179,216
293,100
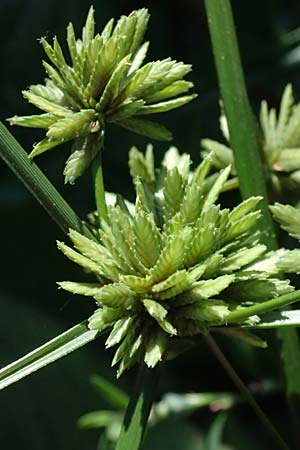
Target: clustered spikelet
175,263
280,142
104,81
289,219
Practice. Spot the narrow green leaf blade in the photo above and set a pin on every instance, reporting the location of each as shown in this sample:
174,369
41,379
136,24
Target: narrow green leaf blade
96,419
138,411
290,351
261,308
57,348
213,439
38,184
116,397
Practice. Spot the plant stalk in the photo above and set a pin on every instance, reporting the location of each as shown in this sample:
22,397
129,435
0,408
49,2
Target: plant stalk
140,403
138,411
56,348
38,184
245,144
260,308
245,392
241,122
99,187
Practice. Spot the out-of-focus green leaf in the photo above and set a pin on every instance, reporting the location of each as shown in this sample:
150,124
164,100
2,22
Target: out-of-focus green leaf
173,404
213,440
110,392
239,333
96,419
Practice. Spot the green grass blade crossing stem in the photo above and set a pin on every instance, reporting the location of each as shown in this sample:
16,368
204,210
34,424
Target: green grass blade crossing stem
57,348
244,142
38,184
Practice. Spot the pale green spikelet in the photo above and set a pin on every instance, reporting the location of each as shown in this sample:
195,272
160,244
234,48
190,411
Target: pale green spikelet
280,142
106,82
289,219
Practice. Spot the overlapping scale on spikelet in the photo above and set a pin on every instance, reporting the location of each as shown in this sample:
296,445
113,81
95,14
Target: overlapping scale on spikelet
281,145
103,80
176,265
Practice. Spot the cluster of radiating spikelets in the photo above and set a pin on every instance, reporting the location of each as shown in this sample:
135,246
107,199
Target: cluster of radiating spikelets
281,146
174,263
103,81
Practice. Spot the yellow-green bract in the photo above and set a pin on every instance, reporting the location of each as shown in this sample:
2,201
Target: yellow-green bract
103,80
173,264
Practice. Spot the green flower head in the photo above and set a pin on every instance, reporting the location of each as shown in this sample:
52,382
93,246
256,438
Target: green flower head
174,263
280,135
103,81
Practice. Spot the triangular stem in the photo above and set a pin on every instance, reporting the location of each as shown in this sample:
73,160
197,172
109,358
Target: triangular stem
245,392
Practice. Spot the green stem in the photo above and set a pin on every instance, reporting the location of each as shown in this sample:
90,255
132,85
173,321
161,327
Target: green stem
241,121
57,348
260,308
99,187
38,184
244,142
245,391
138,411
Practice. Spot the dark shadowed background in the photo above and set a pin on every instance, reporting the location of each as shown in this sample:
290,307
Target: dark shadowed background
41,411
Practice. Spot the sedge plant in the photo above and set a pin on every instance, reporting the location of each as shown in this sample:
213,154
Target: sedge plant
172,267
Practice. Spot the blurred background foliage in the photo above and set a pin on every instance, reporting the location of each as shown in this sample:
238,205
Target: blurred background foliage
41,412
